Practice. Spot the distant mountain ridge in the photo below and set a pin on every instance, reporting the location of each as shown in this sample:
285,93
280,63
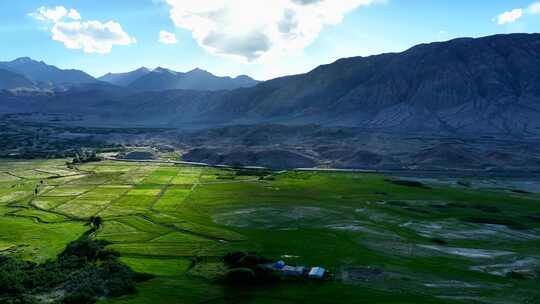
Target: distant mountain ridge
124,79
44,74
161,79
484,86
40,75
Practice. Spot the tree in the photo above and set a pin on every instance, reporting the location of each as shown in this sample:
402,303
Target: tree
96,222
240,276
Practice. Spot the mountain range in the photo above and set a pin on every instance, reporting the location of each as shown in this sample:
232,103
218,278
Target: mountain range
482,86
161,79
26,73
44,75
124,79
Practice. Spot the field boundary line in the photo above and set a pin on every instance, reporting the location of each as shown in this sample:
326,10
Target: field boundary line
193,188
11,174
110,203
175,228
48,172
77,196
158,197
70,218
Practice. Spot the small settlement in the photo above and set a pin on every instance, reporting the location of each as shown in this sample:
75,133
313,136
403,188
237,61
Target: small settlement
251,268
298,271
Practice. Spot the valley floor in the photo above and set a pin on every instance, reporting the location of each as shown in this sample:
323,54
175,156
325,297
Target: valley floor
385,241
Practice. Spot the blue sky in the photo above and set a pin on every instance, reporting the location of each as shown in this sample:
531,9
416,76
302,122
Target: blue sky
233,46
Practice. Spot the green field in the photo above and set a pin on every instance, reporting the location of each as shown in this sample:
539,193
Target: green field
383,241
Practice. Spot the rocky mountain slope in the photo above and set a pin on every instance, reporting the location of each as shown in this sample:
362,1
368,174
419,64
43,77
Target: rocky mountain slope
487,85
473,86
10,80
269,158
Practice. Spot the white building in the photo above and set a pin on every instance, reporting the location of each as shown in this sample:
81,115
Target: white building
293,271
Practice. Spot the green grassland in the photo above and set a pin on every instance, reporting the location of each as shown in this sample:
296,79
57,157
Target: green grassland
383,241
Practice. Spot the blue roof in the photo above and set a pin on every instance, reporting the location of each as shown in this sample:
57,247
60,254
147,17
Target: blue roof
279,265
317,272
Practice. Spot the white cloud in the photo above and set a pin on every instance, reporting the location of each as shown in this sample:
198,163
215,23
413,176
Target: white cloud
534,8
510,16
515,14
167,38
49,14
253,29
74,14
89,36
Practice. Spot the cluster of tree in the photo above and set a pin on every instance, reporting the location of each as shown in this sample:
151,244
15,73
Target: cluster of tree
22,145
36,189
82,273
95,222
248,268
82,157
